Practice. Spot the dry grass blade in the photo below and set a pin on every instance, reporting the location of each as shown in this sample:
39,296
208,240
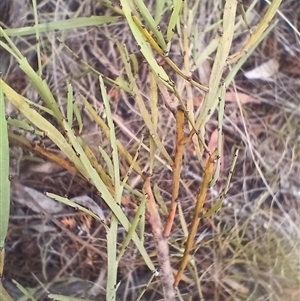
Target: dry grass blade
209,169
161,243
145,288
119,82
176,169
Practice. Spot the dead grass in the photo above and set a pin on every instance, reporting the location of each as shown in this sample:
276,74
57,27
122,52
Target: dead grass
247,251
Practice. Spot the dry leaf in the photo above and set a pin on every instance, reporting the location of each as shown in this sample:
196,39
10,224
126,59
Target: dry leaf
41,228
236,286
213,145
69,222
241,97
198,101
90,204
47,168
87,222
35,200
265,71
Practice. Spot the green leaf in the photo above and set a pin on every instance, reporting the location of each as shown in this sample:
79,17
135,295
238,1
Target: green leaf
70,108
65,298
174,19
4,296
4,178
107,197
144,48
52,132
151,22
225,39
61,25
24,290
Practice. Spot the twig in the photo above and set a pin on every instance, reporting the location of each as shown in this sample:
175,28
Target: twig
209,169
179,115
160,242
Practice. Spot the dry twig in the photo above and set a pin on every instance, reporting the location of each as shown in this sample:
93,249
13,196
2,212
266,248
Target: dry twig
161,243
197,215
